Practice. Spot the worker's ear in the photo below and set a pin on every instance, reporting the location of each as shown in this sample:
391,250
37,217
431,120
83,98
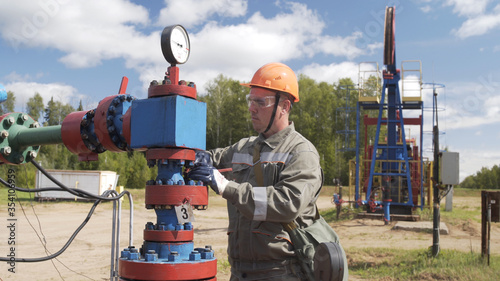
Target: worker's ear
287,105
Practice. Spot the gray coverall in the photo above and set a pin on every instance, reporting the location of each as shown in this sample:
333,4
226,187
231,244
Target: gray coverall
258,246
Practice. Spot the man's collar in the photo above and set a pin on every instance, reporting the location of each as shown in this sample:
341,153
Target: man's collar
275,139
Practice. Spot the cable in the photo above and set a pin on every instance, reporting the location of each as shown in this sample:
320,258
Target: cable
70,240
86,194
80,193
42,239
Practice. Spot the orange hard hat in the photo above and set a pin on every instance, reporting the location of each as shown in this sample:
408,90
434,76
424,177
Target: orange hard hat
276,76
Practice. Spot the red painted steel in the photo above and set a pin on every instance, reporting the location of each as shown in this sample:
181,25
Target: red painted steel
100,124
171,153
168,235
176,195
205,269
71,136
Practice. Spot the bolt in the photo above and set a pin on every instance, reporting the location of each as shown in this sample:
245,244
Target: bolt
6,150
84,123
20,159
194,256
4,134
125,254
150,226
24,117
153,83
111,129
10,121
180,182
32,154
192,85
151,256
35,125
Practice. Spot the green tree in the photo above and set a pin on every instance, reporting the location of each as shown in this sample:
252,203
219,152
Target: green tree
80,106
228,119
34,106
8,105
55,112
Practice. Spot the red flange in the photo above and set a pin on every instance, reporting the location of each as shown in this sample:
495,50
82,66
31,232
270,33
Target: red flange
203,270
71,136
101,128
171,153
168,236
176,195
170,90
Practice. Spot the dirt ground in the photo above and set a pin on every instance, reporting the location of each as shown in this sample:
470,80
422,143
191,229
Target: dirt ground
88,257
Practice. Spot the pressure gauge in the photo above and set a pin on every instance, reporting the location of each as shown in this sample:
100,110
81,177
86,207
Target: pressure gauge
175,44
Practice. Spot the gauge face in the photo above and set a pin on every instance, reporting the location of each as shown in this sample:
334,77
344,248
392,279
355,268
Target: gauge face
175,44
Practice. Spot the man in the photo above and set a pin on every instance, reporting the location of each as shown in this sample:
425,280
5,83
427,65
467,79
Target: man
276,178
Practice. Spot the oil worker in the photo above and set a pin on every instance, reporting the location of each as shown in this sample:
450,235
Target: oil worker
276,177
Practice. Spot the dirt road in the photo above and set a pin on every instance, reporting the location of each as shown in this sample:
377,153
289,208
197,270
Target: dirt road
88,257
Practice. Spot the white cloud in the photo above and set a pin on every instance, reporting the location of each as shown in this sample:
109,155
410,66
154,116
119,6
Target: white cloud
479,25
426,9
472,104
87,31
25,90
468,7
193,12
331,73
481,19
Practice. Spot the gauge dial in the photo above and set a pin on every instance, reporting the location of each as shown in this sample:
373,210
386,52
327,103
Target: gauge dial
175,44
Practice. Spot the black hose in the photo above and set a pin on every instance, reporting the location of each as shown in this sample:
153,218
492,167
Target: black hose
86,194
70,240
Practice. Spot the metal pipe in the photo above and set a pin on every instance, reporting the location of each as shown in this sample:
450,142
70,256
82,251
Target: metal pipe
113,243
489,229
131,224
436,214
36,136
117,246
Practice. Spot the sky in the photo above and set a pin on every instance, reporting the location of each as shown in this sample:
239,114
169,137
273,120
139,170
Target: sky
79,50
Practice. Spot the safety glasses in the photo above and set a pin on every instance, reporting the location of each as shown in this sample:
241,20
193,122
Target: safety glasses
260,102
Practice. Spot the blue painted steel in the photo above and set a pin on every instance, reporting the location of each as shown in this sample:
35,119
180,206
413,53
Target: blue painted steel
3,93
164,249
357,192
169,121
166,217
170,172
387,213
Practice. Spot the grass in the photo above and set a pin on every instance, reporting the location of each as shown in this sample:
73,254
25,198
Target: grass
397,264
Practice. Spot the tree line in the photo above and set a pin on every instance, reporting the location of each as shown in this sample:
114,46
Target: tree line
325,115
131,166
483,179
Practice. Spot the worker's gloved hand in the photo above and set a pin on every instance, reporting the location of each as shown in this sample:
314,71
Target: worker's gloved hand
203,157
209,175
